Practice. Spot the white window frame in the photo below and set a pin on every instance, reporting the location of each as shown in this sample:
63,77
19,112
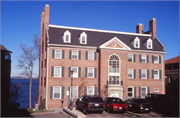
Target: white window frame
156,62
155,90
145,58
93,90
132,74
59,72
132,91
64,37
147,44
145,93
136,39
88,72
60,87
85,38
75,75
145,73
92,55
77,54
112,81
77,91
60,54
157,74
44,71
132,57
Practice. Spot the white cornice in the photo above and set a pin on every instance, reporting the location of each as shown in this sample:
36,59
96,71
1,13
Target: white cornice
97,30
73,46
147,51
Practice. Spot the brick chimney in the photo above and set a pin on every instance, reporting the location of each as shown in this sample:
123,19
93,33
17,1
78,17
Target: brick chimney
139,28
46,15
152,27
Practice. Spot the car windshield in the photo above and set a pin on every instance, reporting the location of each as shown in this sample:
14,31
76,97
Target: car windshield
95,99
115,101
140,101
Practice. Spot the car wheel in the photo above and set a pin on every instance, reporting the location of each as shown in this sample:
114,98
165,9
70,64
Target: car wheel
108,110
101,112
85,111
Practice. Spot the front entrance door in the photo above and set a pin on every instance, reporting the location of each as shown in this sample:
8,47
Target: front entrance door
114,95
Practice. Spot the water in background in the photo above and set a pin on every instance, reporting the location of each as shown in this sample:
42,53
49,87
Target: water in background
24,92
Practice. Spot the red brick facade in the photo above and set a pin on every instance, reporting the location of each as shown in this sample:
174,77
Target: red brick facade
101,63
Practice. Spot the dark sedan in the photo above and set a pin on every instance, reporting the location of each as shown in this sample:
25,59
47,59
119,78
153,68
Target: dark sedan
113,104
90,103
138,105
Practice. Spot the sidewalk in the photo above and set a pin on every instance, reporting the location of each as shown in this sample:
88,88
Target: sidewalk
74,112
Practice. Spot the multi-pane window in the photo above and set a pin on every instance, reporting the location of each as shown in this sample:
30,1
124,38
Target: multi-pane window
74,92
143,92
136,44
144,74
56,92
130,73
75,73
156,74
143,59
83,39
90,55
130,57
74,54
156,59
57,71
149,44
130,92
90,73
58,54
114,80
114,64
7,56
90,90
67,38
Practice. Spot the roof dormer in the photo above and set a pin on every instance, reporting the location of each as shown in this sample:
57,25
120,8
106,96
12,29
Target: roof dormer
136,42
83,38
148,44
67,37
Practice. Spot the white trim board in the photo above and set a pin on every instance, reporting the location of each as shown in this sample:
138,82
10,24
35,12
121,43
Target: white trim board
97,30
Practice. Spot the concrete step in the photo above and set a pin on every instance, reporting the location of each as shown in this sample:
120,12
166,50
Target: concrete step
74,112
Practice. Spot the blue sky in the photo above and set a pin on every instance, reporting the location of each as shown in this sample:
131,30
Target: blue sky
20,20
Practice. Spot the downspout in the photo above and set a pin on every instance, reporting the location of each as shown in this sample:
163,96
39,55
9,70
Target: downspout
47,76
162,74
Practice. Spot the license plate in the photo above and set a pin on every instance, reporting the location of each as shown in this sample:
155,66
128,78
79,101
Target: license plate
120,107
146,108
96,104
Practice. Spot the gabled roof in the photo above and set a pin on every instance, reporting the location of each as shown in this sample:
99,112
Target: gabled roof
172,60
3,48
95,37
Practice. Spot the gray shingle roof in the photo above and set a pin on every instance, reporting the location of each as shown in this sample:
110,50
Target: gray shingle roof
97,38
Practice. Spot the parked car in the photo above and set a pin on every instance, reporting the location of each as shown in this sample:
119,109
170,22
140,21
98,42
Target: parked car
90,103
114,104
138,105
160,102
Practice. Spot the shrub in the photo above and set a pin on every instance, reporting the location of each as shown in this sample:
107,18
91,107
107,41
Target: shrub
42,105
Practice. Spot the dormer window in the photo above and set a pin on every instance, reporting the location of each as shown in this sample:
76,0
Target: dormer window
149,44
83,38
136,43
67,37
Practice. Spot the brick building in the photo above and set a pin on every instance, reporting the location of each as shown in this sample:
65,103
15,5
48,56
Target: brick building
105,63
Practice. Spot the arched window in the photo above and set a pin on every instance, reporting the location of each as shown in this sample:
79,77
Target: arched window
114,70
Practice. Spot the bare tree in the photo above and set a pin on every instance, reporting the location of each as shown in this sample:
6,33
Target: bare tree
27,60
82,84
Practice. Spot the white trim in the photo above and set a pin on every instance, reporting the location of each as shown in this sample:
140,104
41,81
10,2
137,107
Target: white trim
77,91
155,89
132,74
145,58
47,76
60,54
146,91
88,55
145,73
85,38
88,72
97,30
74,46
157,60
72,55
132,91
59,71
118,41
60,87
93,90
77,72
132,57
151,43
47,32
134,42
158,74
64,37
